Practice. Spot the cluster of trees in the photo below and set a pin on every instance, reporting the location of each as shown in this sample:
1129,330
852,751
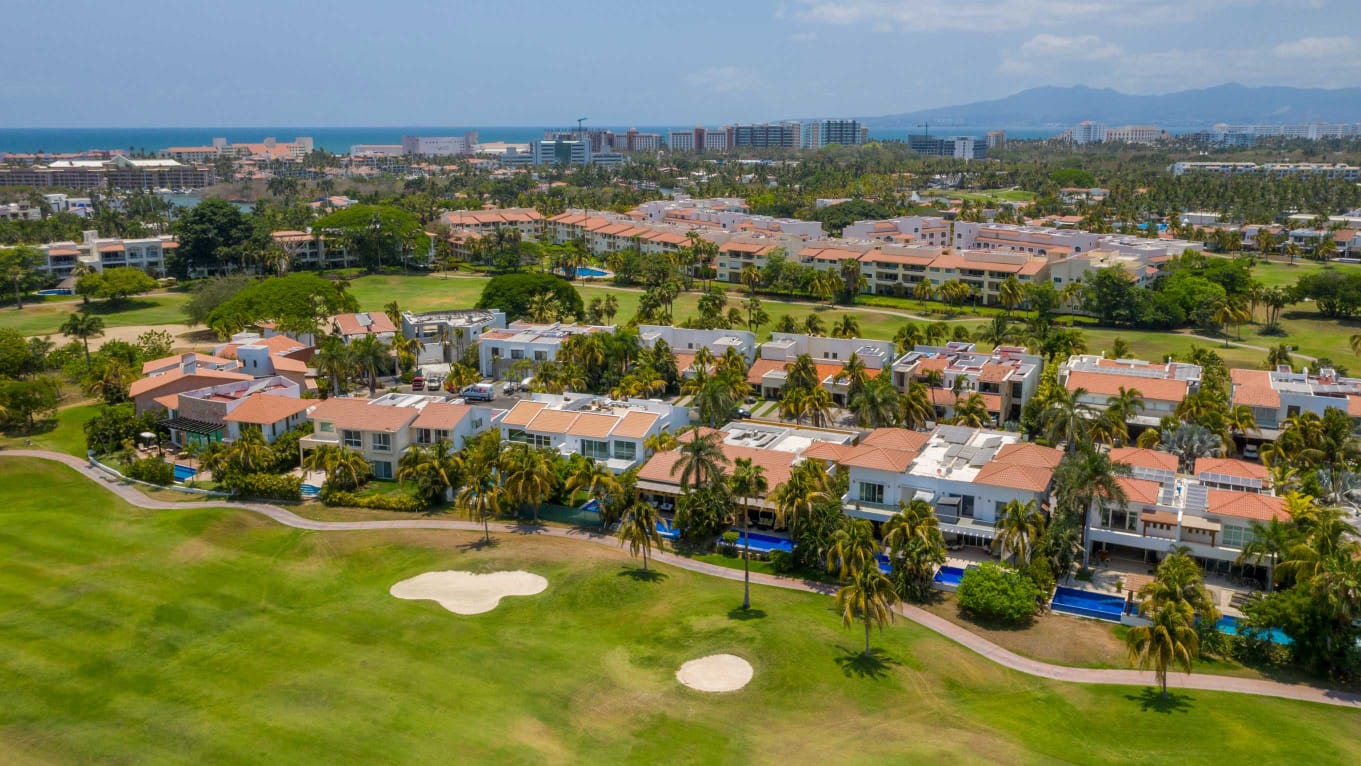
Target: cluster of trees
295,303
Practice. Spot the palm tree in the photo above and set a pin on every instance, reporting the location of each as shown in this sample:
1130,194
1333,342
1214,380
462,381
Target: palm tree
853,548
1269,542
876,405
998,332
808,485
917,409
1190,442
867,597
1010,293
434,469
701,461
528,475
924,291
369,354
542,307
638,528
748,482
916,547
846,327
1083,479
343,466
812,325
1066,418
83,326
1169,640
481,495
1019,530
334,361
1125,405
971,411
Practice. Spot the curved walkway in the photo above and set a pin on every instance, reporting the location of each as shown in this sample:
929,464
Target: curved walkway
956,633
1249,346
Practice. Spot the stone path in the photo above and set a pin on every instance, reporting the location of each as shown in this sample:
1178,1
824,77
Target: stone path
956,633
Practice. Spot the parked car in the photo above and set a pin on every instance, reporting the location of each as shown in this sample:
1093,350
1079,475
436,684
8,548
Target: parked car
1250,452
479,392
418,383
741,413
509,388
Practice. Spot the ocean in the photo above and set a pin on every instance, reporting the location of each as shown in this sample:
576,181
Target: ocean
338,140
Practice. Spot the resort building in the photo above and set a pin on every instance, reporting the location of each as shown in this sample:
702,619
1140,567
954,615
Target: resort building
1161,386
190,362
608,431
966,474
276,354
685,342
186,375
1006,377
117,173
830,355
445,336
352,327
776,449
922,230
526,220
310,250
1210,511
218,413
1275,395
382,429
98,253
523,345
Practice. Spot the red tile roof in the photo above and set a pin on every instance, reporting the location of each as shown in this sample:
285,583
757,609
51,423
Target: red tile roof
1144,458
264,409
1247,505
1109,384
1232,467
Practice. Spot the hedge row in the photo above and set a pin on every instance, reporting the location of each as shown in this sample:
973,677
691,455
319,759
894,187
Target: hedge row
404,503
265,486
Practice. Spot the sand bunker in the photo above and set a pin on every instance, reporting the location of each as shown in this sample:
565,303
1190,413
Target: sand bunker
715,673
468,592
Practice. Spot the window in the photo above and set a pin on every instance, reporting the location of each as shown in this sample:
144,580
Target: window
352,439
1116,518
423,436
871,493
382,442
516,353
625,450
595,449
382,469
1236,537
327,427
540,356
441,435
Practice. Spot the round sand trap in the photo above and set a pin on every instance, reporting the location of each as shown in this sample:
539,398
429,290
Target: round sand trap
468,592
715,673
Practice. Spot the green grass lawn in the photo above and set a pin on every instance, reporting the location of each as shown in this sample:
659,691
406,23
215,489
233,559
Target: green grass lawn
215,636
45,319
63,433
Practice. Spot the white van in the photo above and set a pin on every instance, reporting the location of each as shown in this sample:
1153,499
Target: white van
479,392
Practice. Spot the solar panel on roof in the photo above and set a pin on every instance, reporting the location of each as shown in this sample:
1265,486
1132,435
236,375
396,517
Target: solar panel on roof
952,451
955,434
967,452
1197,497
992,442
982,457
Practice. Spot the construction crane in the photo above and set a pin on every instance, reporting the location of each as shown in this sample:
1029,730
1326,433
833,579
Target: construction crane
927,126
579,121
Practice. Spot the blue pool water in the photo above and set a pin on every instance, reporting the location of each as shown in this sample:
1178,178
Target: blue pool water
1086,603
1229,624
56,291
309,490
948,576
587,271
760,543
666,531
184,472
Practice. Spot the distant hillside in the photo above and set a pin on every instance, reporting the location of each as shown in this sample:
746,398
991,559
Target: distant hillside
1050,105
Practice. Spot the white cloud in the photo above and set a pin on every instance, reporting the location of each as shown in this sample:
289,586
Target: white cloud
1076,48
1314,48
724,79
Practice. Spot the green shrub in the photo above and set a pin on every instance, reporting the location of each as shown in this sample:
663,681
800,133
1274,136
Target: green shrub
396,502
511,294
783,562
152,470
265,486
995,593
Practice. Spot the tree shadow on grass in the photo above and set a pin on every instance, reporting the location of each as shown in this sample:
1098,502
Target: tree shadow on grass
480,544
1152,700
650,575
747,613
529,527
856,663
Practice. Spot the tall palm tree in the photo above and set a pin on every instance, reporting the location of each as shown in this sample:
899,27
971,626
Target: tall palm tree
1168,641
638,529
369,354
334,361
916,547
1125,405
480,497
853,548
434,469
876,405
748,483
1010,293
924,291
1066,418
528,475
971,411
917,409
867,597
83,326
1269,542
1083,480
846,327
701,461
1019,530
808,485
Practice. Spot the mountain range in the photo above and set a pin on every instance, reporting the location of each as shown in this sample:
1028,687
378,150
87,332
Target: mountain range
1053,105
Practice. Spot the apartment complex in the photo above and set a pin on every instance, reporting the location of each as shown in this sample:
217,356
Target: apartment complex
685,342
174,375
1211,510
523,345
958,147
1277,169
219,412
311,250
608,431
769,373
439,146
967,475
1162,386
98,253
120,173
1135,134
1006,377
1275,395
526,220
382,429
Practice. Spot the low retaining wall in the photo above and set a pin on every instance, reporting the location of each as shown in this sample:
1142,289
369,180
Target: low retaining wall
118,475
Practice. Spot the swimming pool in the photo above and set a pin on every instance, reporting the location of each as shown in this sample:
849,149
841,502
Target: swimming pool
948,577
587,271
56,291
759,543
1229,624
1086,603
184,472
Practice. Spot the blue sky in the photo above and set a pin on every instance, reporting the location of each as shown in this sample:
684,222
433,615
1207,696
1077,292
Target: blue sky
530,62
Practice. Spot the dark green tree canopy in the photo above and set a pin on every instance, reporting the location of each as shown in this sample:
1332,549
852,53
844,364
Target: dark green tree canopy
511,293
211,234
297,302
373,232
